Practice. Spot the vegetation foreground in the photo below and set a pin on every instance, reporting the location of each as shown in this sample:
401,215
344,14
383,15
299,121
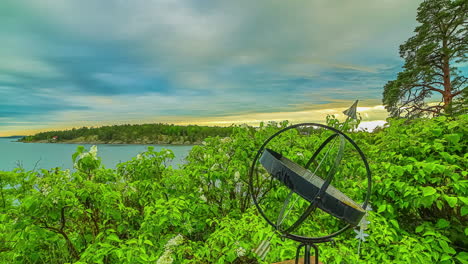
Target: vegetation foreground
146,212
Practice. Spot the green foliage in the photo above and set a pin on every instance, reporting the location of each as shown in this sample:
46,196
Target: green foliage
147,212
431,58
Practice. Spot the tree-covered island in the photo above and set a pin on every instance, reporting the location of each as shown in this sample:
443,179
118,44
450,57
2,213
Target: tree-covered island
132,134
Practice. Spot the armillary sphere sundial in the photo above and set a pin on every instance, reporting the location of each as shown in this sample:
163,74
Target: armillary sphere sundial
334,177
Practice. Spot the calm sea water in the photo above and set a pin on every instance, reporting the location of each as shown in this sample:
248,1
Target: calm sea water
49,156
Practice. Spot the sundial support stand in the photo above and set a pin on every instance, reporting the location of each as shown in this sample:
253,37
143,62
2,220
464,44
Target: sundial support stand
307,247
307,253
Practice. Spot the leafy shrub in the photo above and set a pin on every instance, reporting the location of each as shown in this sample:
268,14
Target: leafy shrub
147,212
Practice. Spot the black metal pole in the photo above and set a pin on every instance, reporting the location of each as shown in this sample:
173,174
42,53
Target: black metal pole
307,254
298,252
316,253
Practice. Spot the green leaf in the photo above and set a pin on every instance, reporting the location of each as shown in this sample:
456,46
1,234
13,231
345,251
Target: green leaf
144,257
429,233
447,249
464,210
148,242
114,237
428,190
381,208
452,201
464,200
395,223
437,132
419,229
462,257
453,138
447,157
442,223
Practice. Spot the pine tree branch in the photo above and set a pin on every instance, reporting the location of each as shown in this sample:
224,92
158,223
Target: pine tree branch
428,87
457,93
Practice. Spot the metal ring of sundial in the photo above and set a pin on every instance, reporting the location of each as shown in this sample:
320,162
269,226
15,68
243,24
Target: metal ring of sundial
320,193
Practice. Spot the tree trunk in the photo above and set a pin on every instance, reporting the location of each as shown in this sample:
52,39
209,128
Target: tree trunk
447,96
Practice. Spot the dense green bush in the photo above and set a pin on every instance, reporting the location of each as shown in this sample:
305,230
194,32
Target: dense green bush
147,212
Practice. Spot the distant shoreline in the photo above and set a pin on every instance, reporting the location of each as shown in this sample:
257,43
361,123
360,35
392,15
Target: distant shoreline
113,143
144,134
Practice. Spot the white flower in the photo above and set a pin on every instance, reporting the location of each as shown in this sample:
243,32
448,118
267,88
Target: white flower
300,154
45,189
238,187
165,258
82,155
93,151
175,241
240,251
203,197
138,157
217,183
226,139
236,176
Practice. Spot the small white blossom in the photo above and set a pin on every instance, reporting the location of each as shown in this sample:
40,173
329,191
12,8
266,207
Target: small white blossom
138,157
240,251
236,176
175,241
45,189
203,197
238,187
165,258
93,151
217,183
226,139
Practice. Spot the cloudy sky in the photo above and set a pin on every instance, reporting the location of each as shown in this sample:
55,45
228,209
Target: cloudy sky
69,63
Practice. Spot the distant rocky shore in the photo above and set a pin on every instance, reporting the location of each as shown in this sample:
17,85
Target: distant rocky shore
164,140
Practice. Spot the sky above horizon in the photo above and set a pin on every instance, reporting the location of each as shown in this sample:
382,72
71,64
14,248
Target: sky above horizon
93,62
